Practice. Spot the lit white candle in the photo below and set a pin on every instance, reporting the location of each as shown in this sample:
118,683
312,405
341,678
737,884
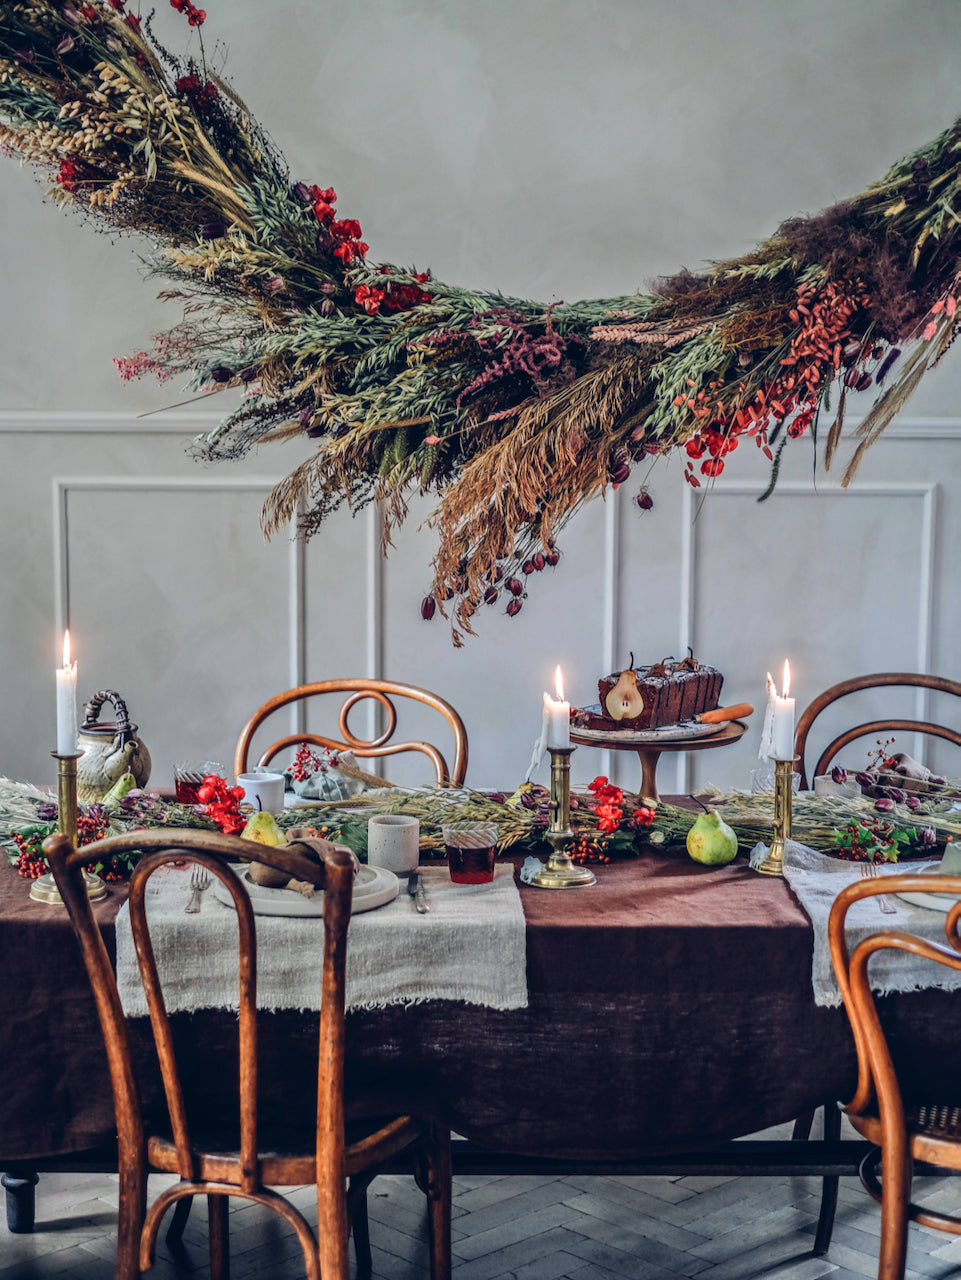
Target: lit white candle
557,716
783,729
67,702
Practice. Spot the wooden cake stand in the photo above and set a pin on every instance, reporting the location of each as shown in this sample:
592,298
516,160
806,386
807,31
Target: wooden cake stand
650,752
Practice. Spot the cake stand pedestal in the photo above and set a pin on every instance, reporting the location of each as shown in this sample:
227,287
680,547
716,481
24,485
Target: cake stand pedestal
650,751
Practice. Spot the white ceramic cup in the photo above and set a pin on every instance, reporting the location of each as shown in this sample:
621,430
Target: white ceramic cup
262,789
393,841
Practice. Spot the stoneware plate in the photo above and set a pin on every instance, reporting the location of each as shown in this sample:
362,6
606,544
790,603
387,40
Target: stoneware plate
667,732
942,902
373,887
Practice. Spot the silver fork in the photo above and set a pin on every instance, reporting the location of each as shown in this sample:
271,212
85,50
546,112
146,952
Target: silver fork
870,871
199,881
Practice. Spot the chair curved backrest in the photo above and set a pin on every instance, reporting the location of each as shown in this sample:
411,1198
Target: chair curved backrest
359,689
334,874
881,679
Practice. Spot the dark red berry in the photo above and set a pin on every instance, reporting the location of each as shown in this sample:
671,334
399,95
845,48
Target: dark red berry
490,595
527,567
552,557
427,608
644,500
514,608
515,586
538,561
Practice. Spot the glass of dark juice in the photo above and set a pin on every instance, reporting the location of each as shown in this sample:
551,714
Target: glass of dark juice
471,848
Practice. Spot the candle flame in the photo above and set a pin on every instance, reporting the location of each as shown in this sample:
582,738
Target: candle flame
66,649
786,682
558,684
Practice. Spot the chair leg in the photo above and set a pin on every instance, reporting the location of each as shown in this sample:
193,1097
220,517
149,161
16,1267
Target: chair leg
433,1172
131,1211
896,1169
178,1222
829,1185
360,1228
802,1127
218,1231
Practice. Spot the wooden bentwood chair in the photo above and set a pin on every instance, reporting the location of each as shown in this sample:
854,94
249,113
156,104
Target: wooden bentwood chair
359,689
899,679
902,1129
250,1163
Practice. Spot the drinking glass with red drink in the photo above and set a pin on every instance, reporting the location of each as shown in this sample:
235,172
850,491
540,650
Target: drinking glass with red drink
471,848
189,776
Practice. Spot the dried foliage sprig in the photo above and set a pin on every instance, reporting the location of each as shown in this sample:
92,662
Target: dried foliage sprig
513,413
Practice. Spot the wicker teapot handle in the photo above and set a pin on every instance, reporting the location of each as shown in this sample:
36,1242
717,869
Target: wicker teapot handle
91,714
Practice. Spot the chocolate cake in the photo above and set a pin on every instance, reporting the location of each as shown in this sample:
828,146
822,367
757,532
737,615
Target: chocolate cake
664,693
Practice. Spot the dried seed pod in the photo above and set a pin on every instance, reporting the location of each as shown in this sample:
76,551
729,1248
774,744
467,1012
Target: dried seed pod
490,595
514,608
427,608
897,795
884,805
552,558
644,500
538,562
515,586
527,566
838,774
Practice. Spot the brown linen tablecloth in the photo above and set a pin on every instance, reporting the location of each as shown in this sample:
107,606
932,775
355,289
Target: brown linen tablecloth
670,1006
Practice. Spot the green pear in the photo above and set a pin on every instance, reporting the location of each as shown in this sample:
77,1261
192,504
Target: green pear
126,782
711,841
262,829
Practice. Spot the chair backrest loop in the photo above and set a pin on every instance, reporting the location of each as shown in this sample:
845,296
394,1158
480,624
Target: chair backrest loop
881,679
358,689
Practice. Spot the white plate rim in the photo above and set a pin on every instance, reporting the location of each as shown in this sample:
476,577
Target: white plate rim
942,902
384,887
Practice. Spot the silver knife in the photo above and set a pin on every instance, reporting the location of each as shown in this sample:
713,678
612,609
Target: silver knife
415,887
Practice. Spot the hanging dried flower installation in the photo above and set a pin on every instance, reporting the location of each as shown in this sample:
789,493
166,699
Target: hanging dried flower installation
512,413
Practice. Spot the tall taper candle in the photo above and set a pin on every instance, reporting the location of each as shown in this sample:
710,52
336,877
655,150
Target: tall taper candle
67,702
557,717
784,719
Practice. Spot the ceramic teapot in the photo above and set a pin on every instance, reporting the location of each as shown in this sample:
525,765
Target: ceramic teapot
109,750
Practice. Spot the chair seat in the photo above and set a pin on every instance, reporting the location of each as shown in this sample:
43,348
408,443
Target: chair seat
934,1132
285,1161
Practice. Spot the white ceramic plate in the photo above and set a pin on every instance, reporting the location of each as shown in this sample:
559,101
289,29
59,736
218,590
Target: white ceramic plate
666,733
373,887
942,902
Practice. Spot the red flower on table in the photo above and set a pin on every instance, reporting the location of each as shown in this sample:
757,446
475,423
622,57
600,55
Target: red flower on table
222,804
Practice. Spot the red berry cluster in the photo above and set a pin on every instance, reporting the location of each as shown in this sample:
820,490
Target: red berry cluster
817,352
608,804
31,862
307,762
589,849
222,804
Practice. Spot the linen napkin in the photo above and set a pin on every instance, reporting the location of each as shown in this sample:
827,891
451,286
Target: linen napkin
470,946
817,880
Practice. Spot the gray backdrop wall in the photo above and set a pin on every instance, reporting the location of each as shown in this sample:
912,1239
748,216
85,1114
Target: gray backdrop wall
548,148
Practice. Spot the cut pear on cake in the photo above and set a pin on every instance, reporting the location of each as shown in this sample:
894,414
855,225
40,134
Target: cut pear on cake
624,701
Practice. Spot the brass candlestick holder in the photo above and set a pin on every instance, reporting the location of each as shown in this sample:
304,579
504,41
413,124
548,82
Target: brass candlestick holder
773,864
560,872
44,888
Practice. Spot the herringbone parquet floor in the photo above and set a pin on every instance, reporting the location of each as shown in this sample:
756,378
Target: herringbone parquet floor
521,1228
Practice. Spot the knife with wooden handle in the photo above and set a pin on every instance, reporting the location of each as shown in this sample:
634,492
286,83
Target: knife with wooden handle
724,713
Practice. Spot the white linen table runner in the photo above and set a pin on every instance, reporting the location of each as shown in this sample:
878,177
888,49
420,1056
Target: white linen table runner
817,879
470,946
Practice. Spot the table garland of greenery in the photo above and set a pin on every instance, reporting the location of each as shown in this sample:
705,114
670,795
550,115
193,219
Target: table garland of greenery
848,829
513,413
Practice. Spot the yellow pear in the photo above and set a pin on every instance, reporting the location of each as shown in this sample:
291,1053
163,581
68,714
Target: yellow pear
624,701
262,829
711,841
